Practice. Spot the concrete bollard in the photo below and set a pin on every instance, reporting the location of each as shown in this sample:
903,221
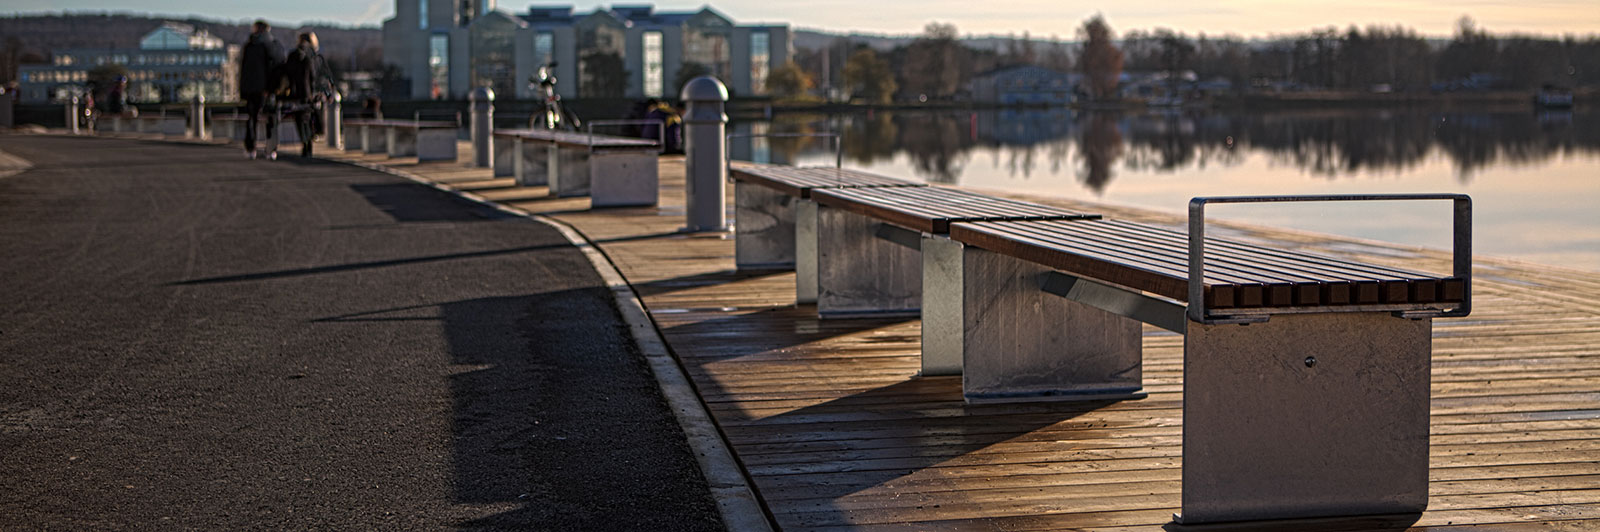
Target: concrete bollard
197,118
482,127
332,126
72,114
704,148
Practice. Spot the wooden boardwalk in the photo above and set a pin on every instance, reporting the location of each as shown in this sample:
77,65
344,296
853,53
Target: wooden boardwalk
837,431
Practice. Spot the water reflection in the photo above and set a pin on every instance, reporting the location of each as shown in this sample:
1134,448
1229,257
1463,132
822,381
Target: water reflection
1534,176
1326,144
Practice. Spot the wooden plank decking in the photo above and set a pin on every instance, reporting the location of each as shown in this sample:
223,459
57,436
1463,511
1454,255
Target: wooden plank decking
838,432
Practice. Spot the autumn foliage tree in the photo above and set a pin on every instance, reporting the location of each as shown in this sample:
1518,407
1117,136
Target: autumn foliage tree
869,76
789,81
1101,60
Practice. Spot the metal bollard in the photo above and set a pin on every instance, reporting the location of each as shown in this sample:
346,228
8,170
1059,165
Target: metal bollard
197,118
482,127
331,126
72,115
704,149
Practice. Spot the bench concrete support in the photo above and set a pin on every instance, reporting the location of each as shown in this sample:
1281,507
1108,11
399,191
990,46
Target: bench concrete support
571,175
805,251
859,273
374,139
433,143
1020,343
534,162
401,141
942,325
1306,415
623,178
765,219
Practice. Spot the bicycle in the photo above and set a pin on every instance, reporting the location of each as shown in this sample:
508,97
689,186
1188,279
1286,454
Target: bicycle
550,114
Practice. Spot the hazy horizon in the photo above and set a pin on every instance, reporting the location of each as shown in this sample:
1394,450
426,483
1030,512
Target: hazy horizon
1041,19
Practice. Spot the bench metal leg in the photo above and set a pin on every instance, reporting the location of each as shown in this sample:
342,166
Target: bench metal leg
374,139
1019,343
623,178
860,274
402,142
434,144
765,235
571,176
1306,415
504,154
805,251
942,325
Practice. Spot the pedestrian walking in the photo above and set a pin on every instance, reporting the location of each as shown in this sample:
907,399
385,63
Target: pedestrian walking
306,85
259,79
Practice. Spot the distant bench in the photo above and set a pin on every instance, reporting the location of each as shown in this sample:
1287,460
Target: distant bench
233,127
426,140
869,241
613,171
767,199
1305,378
176,125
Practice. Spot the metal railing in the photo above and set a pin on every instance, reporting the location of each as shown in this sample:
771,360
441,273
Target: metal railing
838,143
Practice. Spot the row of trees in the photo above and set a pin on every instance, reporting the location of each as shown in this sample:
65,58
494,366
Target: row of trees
938,65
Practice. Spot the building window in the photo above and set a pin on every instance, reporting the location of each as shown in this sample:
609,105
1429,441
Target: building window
760,61
439,66
544,45
654,71
422,17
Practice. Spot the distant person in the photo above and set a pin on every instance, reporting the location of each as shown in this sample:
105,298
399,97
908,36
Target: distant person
663,111
117,98
304,75
258,81
372,108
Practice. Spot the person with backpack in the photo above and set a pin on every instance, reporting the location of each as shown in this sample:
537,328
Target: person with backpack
305,82
260,75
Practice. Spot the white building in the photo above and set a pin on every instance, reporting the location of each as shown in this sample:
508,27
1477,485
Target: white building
172,63
448,47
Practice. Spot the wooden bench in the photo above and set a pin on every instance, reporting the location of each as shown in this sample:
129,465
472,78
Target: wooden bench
613,171
173,125
766,199
1306,378
869,241
426,140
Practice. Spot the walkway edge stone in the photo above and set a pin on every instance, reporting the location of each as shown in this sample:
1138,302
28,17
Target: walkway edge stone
737,503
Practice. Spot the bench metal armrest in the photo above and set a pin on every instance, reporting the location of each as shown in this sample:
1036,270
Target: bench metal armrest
1461,243
661,129
838,143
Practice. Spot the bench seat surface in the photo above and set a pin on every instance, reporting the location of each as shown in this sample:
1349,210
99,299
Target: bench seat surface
933,209
1237,274
799,182
573,138
428,124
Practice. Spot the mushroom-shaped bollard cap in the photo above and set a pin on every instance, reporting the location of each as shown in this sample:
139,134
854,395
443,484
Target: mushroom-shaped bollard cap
481,96
705,96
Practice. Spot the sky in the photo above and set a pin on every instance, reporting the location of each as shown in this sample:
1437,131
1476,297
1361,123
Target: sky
1040,18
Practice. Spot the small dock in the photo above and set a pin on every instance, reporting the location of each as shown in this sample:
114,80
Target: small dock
837,430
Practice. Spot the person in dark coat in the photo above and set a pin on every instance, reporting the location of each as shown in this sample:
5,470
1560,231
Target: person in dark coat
259,62
302,72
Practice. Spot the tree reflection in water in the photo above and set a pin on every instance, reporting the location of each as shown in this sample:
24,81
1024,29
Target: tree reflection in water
1329,144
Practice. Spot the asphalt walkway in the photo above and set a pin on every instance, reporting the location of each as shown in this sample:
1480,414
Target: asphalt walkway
191,340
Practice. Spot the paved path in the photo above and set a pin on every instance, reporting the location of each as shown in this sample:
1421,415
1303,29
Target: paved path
190,340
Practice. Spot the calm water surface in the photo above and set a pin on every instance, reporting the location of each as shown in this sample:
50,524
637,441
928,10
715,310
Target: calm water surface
1534,177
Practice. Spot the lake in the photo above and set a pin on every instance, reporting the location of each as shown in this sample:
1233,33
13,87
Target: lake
1534,176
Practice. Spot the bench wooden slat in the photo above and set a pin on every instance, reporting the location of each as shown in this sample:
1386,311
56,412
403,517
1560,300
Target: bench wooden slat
933,209
1238,275
799,182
